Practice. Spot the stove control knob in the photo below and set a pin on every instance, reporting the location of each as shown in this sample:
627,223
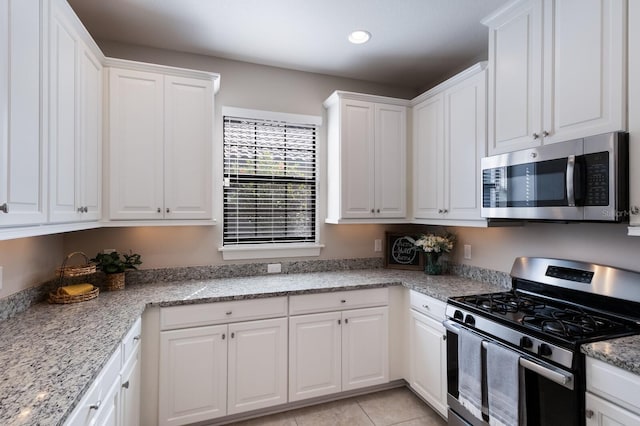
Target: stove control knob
458,315
525,342
544,350
470,320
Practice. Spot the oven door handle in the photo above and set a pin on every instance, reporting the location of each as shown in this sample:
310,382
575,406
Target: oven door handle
571,194
548,372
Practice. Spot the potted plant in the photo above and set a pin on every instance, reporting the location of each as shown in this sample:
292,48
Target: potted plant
114,265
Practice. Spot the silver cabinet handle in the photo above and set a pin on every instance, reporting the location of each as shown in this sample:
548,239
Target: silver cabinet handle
635,210
426,307
96,405
168,210
4,208
589,413
545,133
136,338
373,211
339,322
445,211
126,385
343,301
535,136
228,312
159,210
80,210
233,335
223,336
86,209
378,211
346,320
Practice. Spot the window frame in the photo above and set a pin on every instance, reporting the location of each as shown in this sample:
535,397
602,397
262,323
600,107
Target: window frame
273,249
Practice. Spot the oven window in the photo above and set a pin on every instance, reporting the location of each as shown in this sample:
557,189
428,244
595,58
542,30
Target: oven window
537,184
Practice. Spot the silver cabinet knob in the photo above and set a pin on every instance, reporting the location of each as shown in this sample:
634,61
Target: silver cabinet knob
634,210
373,211
136,338
445,211
545,133
378,211
589,413
426,307
4,208
535,136
80,209
159,210
168,210
126,385
96,405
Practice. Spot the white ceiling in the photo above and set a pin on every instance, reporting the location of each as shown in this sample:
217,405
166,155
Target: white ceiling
415,43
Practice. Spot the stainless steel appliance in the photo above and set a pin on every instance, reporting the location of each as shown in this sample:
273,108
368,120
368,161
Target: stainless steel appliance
554,307
583,179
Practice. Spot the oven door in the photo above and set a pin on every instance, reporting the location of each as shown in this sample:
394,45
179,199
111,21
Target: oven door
552,396
538,183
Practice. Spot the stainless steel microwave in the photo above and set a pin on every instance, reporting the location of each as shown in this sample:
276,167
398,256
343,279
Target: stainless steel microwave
578,180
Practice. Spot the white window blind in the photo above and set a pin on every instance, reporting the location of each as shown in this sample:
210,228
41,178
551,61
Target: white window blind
269,182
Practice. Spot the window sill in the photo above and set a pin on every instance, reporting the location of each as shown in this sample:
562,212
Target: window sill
269,251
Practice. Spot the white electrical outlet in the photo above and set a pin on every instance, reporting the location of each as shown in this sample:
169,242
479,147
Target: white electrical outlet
467,251
0,277
274,268
377,245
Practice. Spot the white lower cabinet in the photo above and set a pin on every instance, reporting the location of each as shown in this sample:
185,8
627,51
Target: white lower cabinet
337,351
427,351
613,395
212,371
114,397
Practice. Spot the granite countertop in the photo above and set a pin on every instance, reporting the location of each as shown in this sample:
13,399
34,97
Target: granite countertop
50,354
623,352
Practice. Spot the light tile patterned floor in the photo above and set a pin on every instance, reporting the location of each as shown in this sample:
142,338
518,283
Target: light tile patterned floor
392,407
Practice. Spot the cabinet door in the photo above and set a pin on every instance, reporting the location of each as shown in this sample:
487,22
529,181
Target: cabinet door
390,161
585,68
465,144
634,115
64,126
257,365
193,375
357,159
427,360
130,391
515,77
136,144
188,164
603,413
314,355
108,413
428,140
22,147
90,140
365,348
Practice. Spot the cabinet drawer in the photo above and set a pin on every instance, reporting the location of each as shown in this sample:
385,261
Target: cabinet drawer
427,305
615,384
131,341
221,312
323,302
89,406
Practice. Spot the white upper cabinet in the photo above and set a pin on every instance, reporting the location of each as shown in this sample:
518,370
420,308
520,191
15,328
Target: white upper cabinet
160,143
557,71
366,158
75,126
449,139
23,113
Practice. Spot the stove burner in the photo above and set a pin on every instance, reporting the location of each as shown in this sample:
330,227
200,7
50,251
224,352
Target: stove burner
569,322
504,303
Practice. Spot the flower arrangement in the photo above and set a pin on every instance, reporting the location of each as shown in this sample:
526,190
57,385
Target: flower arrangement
435,243
434,246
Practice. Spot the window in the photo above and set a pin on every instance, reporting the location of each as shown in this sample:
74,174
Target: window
269,180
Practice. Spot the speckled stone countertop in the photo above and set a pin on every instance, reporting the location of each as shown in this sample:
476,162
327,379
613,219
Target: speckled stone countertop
50,354
623,352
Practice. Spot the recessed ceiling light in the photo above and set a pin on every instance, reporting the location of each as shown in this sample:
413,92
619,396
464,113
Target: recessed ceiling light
359,36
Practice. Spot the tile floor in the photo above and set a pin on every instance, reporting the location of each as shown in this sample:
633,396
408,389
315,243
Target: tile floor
391,407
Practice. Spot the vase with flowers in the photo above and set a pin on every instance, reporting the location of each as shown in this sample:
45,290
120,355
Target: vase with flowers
434,246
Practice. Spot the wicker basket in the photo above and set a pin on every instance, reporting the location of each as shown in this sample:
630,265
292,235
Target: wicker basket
65,271
78,270
114,281
54,297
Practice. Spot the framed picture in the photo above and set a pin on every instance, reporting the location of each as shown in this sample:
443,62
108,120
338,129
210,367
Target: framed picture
400,253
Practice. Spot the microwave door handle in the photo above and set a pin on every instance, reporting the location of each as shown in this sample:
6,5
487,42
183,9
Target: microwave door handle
571,194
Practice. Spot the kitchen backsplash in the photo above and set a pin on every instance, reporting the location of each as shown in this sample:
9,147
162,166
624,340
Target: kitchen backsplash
18,302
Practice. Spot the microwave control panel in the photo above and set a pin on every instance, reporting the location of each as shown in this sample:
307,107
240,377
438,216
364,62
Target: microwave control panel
597,179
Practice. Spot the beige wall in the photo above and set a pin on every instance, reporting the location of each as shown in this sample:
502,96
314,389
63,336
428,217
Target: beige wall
496,248
27,262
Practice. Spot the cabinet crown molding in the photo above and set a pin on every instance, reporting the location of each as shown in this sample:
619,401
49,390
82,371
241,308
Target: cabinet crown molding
461,76
166,70
341,94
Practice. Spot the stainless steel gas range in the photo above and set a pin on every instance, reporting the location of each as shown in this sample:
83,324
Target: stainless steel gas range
535,331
